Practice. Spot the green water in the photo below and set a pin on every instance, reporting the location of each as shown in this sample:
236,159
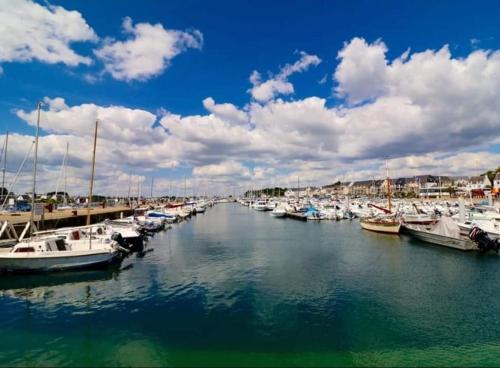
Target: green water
235,287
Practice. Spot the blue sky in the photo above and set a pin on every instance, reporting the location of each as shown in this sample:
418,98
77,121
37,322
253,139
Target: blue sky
240,37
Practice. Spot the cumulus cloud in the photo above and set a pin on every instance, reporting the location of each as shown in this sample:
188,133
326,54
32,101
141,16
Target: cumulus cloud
118,123
362,70
223,169
428,111
30,31
279,85
147,52
421,102
225,111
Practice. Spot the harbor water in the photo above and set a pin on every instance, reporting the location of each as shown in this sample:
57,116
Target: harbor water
235,286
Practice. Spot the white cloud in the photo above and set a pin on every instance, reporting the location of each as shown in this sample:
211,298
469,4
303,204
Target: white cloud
433,113
223,169
361,72
31,31
421,102
147,52
279,85
117,122
225,111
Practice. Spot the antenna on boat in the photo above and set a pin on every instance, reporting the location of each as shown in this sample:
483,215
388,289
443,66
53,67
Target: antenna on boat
39,107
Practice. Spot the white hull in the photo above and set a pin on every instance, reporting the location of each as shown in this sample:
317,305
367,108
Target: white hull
446,241
278,214
379,227
51,261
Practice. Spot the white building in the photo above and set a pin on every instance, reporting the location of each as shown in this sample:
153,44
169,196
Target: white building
479,182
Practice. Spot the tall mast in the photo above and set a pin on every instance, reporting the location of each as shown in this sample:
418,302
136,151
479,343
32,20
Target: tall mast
152,182
5,161
34,168
185,189
61,173
388,186
298,189
65,201
92,174
128,193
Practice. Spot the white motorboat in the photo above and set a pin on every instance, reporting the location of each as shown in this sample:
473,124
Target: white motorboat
55,253
260,206
200,209
278,212
445,232
492,227
271,206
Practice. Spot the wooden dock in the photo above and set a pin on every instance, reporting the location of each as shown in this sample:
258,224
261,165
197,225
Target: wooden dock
64,218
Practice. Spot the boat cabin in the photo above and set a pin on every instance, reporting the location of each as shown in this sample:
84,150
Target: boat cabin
47,245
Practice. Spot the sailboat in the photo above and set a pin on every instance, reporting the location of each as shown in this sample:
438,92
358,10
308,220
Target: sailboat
386,222
48,253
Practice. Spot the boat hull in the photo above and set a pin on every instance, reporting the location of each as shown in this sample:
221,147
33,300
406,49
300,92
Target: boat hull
278,214
379,227
26,262
462,244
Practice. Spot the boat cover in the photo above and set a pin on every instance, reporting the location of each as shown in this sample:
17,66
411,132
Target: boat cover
447,227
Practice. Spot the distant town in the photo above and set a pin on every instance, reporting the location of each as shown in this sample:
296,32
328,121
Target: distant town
421,186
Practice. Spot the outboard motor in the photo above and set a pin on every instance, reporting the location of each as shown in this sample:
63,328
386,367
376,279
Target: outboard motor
117,237
483,241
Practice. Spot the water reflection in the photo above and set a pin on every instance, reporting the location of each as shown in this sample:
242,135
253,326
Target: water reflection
236,280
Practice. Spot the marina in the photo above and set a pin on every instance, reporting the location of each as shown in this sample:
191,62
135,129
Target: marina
249,184
234,284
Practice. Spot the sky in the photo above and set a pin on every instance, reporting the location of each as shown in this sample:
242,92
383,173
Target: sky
222,96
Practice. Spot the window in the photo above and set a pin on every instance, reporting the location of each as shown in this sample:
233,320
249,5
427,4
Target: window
25,250
61,245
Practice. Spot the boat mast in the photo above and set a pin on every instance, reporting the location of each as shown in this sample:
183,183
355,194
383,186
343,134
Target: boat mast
5,161
388,186
34,168
128,193
298,189
185,189
92,174
61,173
152,183
65,201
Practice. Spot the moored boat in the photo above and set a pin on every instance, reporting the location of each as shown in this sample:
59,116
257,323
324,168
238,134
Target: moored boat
278,212
389,225
55,253
445,232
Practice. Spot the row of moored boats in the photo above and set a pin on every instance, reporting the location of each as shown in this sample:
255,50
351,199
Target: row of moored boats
449,223
94,245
